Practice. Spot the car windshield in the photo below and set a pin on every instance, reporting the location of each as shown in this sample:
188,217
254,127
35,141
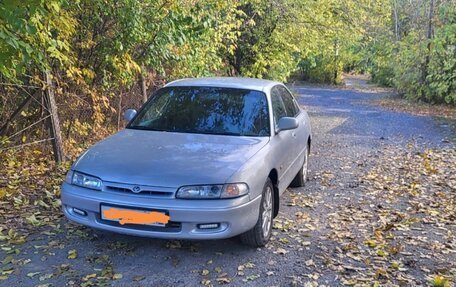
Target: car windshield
205,110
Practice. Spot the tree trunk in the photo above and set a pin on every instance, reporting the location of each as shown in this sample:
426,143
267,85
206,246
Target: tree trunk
54,123
424,69
4,128
396,21
142,81
119,111
336,61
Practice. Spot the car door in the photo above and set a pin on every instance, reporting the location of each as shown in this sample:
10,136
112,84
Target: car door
299,135
283,142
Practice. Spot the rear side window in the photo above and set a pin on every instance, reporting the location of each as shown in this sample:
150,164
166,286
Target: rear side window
278,107
290,104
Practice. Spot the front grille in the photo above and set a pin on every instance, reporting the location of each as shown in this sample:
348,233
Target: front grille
119,189
144,190
169,227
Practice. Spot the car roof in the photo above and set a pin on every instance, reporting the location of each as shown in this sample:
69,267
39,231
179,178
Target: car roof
226,82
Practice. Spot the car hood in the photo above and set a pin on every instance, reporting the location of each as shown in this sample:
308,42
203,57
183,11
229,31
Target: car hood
168,159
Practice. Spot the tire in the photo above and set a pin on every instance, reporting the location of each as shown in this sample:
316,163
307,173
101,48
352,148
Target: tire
260,234
301,177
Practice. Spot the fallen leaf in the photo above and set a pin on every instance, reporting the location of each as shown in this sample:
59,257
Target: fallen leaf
31,274
139,278
72,254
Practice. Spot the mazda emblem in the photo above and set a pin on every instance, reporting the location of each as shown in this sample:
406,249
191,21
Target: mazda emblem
136,189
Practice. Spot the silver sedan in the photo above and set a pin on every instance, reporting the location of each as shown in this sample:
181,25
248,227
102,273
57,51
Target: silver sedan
204,158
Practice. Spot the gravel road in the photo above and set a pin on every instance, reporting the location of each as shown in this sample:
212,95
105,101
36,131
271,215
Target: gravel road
308,246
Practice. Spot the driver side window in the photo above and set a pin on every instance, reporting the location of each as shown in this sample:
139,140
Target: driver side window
278,107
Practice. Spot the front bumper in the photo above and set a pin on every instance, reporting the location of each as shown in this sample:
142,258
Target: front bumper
234,216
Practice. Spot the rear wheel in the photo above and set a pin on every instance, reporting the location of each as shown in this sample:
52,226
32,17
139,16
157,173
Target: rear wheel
301,177
259,235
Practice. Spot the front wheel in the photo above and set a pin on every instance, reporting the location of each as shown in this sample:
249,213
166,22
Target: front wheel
259,235
301,177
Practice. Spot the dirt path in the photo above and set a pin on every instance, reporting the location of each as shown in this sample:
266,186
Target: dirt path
358,221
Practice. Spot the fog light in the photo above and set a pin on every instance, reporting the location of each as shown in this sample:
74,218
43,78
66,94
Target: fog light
79,211
208,226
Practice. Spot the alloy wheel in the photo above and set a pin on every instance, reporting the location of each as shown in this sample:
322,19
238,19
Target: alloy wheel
267,211
305,166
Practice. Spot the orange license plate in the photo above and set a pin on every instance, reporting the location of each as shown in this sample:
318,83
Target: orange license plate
133,216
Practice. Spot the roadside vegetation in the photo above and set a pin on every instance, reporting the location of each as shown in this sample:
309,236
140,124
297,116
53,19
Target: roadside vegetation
69,69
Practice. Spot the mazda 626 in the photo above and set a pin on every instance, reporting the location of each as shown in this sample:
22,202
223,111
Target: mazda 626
204,158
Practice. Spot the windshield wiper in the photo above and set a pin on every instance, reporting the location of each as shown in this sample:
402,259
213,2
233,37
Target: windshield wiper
186,131
145,128
212,133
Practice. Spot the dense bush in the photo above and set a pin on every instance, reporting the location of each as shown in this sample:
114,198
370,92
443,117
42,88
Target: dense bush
105,56
423,69
321,69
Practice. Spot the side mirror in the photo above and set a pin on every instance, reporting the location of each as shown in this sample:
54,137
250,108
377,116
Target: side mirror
287,123
129,114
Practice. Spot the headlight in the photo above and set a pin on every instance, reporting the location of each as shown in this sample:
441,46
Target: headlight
85,180
212,191
234,190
